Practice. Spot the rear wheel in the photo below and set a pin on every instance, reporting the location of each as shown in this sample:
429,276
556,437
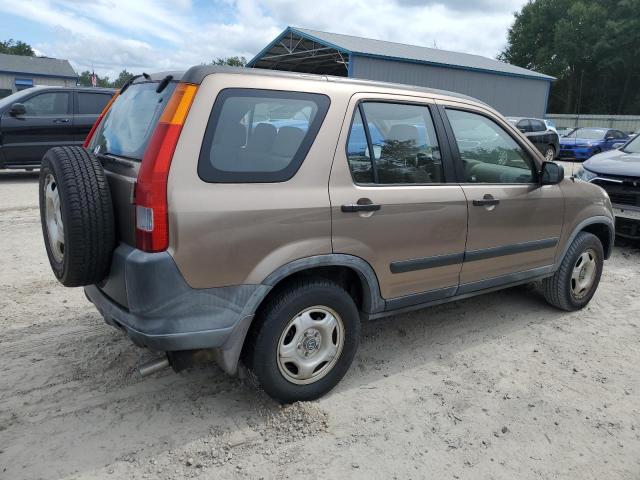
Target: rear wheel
304,340
575,282
550,153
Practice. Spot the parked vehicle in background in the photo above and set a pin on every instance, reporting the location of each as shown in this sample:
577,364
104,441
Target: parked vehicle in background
550,125
36,119
618,172
237,214
563,131
584,142
537,132
634,134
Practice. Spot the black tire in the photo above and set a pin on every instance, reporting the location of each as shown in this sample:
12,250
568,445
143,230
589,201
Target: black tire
558,288
87,215
261,351
550,151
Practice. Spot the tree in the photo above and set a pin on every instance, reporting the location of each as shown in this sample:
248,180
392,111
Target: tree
84,79
590,46
16,47
231,61
123,78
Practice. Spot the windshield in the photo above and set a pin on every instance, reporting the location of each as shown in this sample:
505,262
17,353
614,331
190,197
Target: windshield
633,146
127,127
588,133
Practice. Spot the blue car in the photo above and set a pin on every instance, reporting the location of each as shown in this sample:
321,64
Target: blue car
584,142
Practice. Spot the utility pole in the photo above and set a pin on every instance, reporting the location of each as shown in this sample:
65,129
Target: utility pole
579,97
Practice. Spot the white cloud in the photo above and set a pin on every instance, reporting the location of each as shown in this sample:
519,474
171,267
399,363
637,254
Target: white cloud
110,35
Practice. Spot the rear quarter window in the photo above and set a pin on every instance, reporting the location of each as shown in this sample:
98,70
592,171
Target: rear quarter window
259,135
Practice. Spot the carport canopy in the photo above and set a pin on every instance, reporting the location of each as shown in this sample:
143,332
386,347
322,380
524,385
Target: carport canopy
295,52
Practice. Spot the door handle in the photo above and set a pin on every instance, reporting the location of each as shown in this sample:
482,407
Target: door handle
61,120
360,207
486,201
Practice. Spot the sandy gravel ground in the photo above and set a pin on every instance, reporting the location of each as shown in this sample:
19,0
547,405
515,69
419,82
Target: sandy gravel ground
499,386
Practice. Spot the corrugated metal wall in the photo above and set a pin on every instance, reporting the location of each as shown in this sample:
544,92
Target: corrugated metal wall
626,123
509,95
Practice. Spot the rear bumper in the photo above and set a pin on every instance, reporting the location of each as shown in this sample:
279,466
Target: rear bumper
158,310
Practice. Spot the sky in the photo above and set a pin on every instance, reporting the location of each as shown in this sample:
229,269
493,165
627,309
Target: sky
108,36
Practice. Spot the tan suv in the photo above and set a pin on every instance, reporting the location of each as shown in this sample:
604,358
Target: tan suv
257,216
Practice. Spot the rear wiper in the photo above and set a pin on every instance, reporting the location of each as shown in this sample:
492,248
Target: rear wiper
128,83
163,84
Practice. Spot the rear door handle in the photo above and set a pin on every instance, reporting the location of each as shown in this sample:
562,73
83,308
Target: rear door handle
360,207
486,201
61,120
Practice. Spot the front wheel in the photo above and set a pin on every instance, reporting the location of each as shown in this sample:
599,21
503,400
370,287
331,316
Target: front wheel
304,340
575,282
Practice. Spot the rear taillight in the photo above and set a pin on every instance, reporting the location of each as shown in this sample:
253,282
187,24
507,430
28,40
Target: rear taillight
87,140
152,222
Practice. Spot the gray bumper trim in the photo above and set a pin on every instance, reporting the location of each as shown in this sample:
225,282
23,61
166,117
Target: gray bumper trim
164,313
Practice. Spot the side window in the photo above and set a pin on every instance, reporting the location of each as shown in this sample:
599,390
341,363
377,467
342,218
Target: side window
404,147
488,153
524,125
358,152
619,134
259,135
538,126
91,103
49,103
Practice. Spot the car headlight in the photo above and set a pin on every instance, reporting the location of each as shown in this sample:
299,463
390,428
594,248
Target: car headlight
585,175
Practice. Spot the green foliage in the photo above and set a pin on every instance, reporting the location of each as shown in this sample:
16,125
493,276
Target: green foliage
231,61
85,79
589,45
16,47
123,78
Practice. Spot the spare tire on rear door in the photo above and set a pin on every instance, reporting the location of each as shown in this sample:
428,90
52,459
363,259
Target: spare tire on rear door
77,216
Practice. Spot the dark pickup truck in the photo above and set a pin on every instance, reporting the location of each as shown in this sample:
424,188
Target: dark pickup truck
34,120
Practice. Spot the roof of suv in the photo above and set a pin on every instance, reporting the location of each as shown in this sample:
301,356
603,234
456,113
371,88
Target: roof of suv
197,73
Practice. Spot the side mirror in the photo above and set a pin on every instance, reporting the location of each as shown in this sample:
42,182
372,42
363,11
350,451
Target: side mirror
608,137
17,109
551,173
522,130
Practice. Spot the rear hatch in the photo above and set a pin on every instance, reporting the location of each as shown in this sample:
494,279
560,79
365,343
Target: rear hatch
120,141
121,138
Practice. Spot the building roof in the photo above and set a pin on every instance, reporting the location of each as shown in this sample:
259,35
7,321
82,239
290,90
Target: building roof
196,74
38,66
293,42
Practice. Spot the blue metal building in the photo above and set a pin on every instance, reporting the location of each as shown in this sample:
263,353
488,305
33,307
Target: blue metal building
509,89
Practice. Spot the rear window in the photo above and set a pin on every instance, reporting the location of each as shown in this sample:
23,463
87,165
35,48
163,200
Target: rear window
91,103
127,127
259,135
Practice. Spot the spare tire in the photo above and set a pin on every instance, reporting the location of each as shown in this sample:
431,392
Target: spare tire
76,215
